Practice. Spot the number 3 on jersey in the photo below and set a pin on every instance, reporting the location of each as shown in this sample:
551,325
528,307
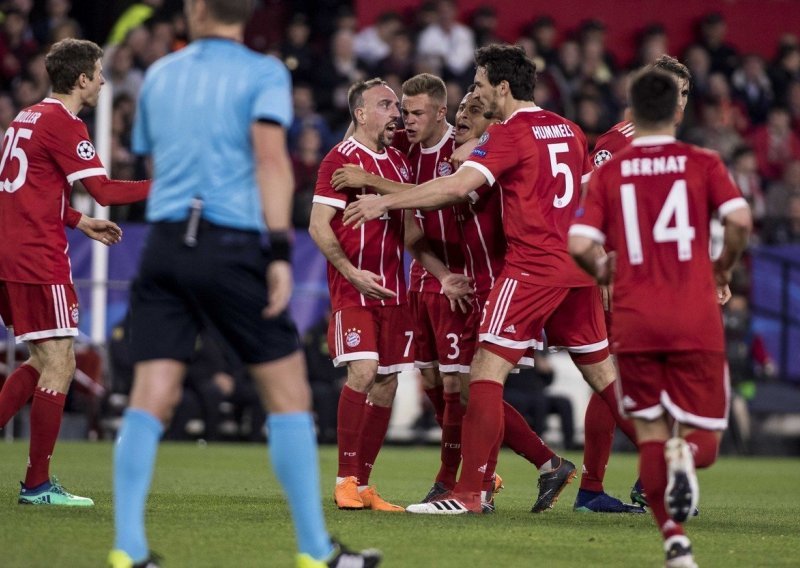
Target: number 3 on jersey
676,207
11,148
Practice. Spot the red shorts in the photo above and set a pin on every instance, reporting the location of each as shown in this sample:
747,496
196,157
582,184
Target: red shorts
692,386
469,342
381,333
517,312
438,332
39,311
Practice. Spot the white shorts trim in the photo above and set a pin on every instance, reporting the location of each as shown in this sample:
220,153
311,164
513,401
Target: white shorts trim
60,332
526,363
591,348
593,233
342,360
399,368
491,338
424,364
684,417
645,414
452,368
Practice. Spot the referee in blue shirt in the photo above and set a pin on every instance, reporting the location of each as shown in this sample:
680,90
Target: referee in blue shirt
213,118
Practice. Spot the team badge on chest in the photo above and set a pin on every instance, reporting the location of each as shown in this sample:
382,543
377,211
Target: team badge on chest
444,169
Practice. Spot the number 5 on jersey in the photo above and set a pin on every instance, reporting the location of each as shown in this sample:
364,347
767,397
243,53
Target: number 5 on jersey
676,207
11,148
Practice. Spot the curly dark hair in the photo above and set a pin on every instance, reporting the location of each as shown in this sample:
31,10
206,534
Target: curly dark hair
68,59
508,63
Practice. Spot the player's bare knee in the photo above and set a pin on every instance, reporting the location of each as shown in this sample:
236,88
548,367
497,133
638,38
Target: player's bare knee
383,390
596,367
361,375
451,382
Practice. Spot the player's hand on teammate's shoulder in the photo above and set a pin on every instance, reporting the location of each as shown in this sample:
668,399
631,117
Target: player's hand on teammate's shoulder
349,176
462,153
367,207
459,290
368,283
279,285
101,230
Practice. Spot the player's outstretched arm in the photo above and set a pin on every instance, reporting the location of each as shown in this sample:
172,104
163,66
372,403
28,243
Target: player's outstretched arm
366,282
356,177
102,230
435,194
276,187
457,287
115,192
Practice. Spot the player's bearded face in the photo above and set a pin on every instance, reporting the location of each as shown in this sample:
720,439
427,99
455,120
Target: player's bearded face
383,115
486,94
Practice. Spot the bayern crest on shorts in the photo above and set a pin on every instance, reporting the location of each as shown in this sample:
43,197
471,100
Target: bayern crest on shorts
74,314
444,169
352,337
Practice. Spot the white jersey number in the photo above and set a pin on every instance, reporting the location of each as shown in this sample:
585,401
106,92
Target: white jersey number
560,168
672,225
11,148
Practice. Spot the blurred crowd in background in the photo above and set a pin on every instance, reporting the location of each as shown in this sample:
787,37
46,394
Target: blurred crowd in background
742,105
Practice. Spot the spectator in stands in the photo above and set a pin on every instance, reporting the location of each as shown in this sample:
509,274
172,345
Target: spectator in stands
734,113
400,60
306,158
17,45
793,105
592,119
296,50
544,33
784,71
8,111
652,45
714,132
751,85
121,73
56,13
594,32
326,380
748,357
373,43
780,191
69,28
724,57
527,393
484,26
335,76
775,144
36,71
306,116
697,59
448,45
138,39
566,74
744,171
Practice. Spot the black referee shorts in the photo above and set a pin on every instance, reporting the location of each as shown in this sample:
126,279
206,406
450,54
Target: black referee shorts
221,281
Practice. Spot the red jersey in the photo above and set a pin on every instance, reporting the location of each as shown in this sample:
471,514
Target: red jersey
440,227
538,160
652,205
376,246
482,239
45,150
616,139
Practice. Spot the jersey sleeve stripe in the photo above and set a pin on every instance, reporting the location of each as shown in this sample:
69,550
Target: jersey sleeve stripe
587,231
481,168
473,197
731,205
82,174
337,203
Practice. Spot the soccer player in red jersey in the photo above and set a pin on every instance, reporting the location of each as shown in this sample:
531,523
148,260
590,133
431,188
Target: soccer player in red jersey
538,161
45,150
428,141
650,208
368,292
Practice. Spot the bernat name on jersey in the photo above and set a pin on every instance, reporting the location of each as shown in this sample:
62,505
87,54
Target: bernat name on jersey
653,166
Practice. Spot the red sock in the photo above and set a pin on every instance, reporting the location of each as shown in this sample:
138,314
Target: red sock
483,423
451,439
521,438
491,465
373,431
436,396
599,436
46,412
653,473
17,390
704,447
349,417
610,397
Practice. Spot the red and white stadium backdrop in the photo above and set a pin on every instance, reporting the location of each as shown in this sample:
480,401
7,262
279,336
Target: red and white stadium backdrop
754,26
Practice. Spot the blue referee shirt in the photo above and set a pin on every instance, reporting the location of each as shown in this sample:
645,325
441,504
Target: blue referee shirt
194,115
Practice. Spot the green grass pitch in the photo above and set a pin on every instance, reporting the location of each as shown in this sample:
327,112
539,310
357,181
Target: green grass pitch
220,506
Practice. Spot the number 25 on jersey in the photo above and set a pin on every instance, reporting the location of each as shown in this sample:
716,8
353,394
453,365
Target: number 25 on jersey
12,150
671,226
